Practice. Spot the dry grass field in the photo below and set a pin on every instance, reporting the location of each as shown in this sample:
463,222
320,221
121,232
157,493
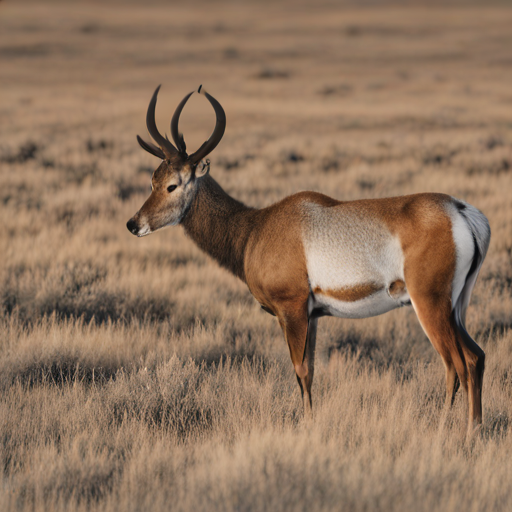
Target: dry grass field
137,375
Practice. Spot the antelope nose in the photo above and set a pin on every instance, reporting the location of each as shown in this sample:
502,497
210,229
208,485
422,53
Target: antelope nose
132,226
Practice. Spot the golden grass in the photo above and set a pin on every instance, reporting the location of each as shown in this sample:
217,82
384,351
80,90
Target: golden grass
136,374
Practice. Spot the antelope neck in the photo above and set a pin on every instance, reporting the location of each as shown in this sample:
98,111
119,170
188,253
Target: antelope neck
220,225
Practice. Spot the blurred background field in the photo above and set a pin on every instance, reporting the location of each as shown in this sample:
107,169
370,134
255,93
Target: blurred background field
134,373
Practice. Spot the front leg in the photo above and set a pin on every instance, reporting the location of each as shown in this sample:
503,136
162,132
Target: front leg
300,334
309,359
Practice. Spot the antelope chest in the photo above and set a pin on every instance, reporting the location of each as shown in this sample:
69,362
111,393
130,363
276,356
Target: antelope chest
355,265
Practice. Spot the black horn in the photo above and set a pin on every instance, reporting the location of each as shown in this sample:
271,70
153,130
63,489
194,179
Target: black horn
218,131
163,142
151,148
177,137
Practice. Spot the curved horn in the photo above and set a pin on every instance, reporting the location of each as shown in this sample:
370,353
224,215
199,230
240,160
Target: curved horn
177,137
218,132
151,148
163,142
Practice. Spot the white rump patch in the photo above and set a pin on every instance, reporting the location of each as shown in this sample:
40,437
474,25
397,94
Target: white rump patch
464,249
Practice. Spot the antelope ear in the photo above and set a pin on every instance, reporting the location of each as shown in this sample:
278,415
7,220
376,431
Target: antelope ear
203,168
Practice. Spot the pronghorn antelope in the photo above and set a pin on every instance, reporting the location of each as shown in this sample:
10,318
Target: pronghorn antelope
309,255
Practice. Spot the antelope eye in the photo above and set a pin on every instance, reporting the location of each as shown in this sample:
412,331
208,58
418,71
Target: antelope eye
170,188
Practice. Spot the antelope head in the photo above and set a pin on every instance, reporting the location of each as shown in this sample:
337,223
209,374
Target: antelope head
175,182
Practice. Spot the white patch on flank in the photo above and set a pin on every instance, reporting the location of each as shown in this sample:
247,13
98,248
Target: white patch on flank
464,249
343,250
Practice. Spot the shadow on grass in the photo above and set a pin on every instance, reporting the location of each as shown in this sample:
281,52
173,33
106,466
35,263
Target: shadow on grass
389,352
496,329
497,425
58,371
100,308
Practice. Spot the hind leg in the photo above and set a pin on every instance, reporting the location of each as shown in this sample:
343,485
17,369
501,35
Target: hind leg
463,358
475,364
436,319
452,383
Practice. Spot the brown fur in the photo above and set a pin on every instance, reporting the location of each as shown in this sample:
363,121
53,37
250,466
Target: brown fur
268,246
264,248
275,268
220,225
352,294
251,244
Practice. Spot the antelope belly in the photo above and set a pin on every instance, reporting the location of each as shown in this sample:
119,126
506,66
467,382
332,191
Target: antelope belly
376,304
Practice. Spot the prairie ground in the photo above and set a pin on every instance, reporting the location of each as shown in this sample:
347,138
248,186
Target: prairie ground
137,375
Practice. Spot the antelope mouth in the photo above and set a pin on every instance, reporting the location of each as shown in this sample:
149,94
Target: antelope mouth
144,232
134,229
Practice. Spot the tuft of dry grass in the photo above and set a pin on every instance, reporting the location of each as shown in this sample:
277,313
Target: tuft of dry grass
136,374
